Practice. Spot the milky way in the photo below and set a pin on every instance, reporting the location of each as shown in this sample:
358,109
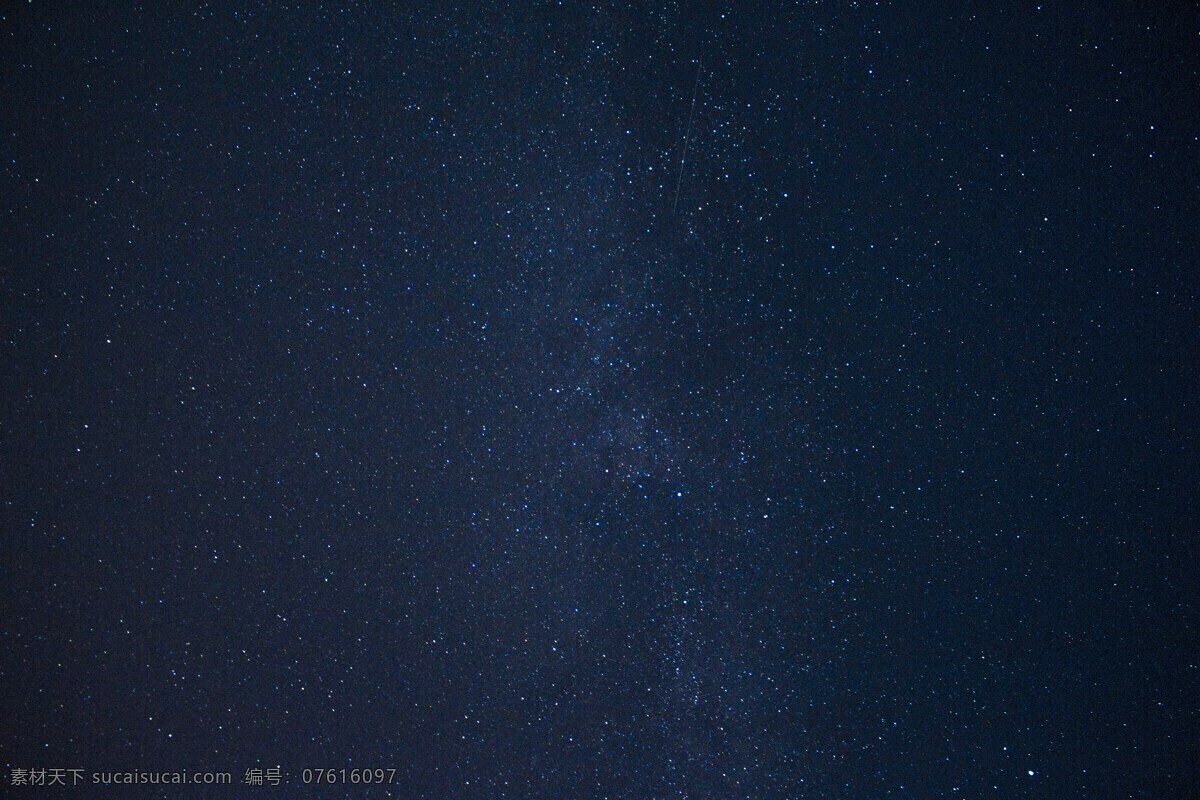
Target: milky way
554,400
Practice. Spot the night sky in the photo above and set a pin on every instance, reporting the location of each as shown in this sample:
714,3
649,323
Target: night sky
603,401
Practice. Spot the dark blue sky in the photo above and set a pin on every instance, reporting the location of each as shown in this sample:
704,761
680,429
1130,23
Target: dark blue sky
385,389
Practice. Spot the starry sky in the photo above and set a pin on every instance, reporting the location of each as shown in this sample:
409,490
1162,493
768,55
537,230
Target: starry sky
560,400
